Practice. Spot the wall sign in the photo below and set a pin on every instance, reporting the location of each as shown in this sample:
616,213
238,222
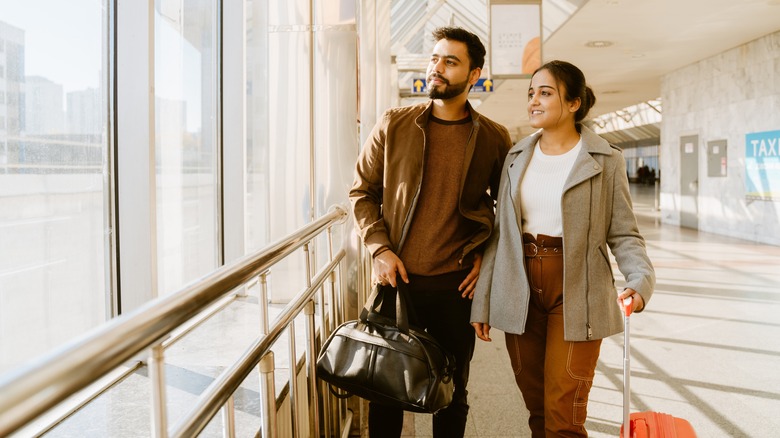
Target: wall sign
717,160
515,38
762,165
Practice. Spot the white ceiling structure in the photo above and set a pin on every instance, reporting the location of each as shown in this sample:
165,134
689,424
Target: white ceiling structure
651,38
646,40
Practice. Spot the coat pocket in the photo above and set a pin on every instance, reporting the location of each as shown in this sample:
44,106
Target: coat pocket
605,257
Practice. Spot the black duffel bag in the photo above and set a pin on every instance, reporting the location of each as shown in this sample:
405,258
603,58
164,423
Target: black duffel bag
383,360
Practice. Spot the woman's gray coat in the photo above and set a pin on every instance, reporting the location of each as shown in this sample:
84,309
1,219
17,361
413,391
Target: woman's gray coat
597,211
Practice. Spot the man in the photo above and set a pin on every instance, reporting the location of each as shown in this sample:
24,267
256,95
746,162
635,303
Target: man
423,199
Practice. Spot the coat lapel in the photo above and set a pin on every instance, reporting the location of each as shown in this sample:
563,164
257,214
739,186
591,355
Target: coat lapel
520,155
585,166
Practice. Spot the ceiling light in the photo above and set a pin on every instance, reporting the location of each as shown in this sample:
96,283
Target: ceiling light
598,44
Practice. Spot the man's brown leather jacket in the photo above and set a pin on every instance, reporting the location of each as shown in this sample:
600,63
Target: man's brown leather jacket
389,173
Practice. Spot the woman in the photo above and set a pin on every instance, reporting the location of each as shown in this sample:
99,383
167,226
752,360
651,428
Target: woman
546,278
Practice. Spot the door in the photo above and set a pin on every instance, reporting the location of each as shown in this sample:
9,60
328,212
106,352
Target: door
689,181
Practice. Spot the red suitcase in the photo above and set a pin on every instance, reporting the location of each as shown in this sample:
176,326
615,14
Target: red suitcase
646,424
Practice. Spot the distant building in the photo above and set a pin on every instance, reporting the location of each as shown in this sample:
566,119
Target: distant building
84,115
11,85
43,107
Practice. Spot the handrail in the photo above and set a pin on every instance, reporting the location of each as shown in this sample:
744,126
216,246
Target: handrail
28,392
217,393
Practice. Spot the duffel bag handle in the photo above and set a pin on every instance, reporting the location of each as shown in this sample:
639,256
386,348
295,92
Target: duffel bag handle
377,297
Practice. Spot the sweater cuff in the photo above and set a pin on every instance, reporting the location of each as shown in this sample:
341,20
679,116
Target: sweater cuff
380,251
377,243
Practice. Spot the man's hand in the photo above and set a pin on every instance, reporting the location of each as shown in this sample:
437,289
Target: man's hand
470,282
386,265
483,330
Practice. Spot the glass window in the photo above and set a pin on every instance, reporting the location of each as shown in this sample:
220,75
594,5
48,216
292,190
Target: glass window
52,188
186,61
258,191
278,132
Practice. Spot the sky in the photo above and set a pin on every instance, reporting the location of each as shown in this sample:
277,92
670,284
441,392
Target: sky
63,39
64,43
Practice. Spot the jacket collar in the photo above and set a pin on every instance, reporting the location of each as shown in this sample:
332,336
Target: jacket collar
585,165
591,142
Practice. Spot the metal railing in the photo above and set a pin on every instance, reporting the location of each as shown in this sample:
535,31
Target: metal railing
29,392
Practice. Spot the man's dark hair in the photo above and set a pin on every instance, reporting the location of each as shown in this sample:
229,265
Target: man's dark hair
473,44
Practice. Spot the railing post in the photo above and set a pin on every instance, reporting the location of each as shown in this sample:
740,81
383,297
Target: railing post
294,411
333,323
332,276
311,349
157,379
268,395
329,232
335,318
263,299
327,414
293,378
308,263
229,419
269,411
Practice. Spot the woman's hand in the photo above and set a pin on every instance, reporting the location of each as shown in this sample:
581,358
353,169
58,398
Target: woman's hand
470,282
483,330
637,302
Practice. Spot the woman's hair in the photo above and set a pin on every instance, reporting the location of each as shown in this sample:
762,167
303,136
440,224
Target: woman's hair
574,81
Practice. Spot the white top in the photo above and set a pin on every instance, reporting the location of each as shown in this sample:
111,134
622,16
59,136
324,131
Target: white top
541,191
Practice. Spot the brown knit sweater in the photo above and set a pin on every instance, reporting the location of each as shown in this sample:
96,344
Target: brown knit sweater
438,231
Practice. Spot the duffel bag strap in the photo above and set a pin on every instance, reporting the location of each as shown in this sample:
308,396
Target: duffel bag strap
336,394
372,302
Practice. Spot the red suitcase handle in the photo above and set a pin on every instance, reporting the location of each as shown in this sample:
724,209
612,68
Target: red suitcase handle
626,368
645,424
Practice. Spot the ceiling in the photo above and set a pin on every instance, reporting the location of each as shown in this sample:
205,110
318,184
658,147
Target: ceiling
649,39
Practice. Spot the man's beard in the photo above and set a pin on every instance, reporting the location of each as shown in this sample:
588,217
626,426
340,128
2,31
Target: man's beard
450,91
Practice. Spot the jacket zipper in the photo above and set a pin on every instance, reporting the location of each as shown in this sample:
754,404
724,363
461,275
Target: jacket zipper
509,194
587,268
474,128
407,221
588,327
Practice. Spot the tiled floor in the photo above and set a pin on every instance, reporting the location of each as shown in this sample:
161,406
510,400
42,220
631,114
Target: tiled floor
706,349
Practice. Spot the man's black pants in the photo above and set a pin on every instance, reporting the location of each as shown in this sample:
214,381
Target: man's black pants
445,315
